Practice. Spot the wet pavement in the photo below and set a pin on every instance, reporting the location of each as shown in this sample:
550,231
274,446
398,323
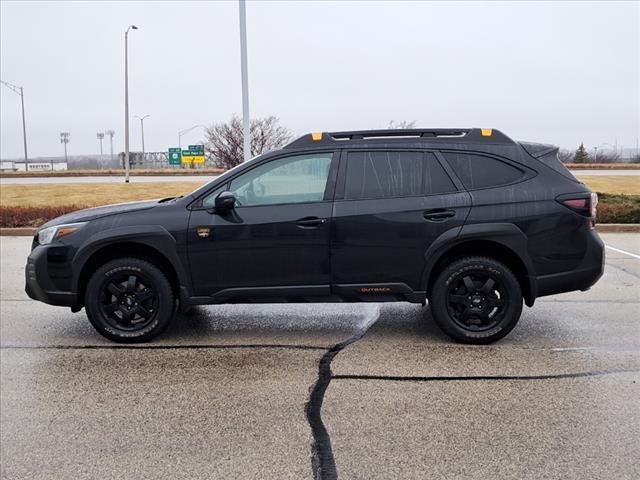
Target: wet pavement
296,391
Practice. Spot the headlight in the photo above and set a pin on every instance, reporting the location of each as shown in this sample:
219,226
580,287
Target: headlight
50,234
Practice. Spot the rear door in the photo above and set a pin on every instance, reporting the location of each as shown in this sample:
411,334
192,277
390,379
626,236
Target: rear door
389,207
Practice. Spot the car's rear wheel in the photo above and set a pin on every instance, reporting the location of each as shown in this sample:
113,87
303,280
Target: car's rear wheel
476,300
129,300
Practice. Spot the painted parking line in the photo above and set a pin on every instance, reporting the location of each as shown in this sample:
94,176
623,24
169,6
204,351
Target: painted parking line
622,251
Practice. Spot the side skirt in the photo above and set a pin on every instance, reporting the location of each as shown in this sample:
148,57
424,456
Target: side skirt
349,293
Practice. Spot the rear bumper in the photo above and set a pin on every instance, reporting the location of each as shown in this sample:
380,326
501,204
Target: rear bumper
582,278
40,286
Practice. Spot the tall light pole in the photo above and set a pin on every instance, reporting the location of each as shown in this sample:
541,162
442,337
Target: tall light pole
142,130
64,139
20,91
127,166
111,133
100,137
245,81
184,132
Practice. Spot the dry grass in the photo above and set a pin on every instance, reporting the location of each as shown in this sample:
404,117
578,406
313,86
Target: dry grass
603,166
116,173
90,194
623,184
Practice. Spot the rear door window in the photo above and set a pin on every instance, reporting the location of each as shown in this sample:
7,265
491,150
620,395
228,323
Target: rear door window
388,174
436,179
478,171
383,174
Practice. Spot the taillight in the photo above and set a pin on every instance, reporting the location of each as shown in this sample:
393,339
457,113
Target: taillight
582,203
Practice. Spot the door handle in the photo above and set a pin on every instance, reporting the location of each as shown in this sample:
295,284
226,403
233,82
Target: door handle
438,214
310,222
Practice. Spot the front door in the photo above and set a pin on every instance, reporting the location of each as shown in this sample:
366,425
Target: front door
389,207
276,236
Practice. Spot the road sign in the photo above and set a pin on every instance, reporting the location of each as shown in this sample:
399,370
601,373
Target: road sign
174,156
195,154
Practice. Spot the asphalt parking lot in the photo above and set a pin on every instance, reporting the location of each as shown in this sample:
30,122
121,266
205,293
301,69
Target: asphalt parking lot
362,391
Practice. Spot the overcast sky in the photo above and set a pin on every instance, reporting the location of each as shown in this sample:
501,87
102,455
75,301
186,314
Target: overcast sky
542,71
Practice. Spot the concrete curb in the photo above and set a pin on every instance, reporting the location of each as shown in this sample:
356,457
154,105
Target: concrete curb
18,232
618,227
602,228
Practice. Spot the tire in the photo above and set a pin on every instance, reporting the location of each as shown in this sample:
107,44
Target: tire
129,300
476,300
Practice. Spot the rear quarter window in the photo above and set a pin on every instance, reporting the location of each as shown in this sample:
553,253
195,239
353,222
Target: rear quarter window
478,171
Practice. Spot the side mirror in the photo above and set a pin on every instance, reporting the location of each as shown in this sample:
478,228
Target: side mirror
225,202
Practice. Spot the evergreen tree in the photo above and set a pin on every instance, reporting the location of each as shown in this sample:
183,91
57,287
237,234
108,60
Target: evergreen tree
581,156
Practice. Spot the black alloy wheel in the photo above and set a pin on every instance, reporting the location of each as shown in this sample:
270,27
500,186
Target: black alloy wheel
129,300
476,300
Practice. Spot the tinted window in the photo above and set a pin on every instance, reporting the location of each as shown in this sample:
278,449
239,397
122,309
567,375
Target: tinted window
210,200
436,179
383,174
297,179
477,171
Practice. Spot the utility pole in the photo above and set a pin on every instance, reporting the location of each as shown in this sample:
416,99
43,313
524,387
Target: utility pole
100,137
245,82
64,139
20,91
111,133
127,165
142,130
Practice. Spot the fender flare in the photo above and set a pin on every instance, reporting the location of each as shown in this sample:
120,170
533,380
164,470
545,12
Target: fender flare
505,234
152,236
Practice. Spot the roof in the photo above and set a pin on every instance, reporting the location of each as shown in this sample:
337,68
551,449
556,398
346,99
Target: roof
408,135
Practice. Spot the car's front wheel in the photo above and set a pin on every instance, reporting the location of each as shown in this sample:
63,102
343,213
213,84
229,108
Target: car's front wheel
129,300
476,300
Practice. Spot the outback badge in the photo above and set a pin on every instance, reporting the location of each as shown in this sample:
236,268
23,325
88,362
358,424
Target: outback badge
203,232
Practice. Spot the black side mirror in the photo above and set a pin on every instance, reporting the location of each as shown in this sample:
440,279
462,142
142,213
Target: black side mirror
225,202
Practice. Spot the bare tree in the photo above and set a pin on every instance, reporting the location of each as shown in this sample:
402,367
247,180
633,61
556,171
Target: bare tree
565,156
224,141
609,157
393,125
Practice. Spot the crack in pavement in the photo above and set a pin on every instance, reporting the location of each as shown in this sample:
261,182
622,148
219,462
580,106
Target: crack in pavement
595,373
322,460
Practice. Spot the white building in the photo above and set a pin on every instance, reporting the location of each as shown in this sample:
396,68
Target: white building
11,166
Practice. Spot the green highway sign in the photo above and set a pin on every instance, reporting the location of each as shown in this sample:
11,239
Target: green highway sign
195,154
175,158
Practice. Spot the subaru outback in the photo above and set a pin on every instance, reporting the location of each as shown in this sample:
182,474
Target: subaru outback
468,220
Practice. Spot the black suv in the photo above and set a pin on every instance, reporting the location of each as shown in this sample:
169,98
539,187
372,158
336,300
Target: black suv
467,219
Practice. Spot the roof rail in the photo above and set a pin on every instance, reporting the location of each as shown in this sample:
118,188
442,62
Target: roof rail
455,135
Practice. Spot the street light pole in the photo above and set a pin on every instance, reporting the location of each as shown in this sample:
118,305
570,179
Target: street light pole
64,139
111,133
20,91
100,137
142,130
127,166
246,127
184,132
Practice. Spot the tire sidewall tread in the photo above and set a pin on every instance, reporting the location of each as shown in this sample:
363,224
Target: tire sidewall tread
166,301
438,299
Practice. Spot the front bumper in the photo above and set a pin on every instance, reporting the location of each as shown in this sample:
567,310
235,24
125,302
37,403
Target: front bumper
39,284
